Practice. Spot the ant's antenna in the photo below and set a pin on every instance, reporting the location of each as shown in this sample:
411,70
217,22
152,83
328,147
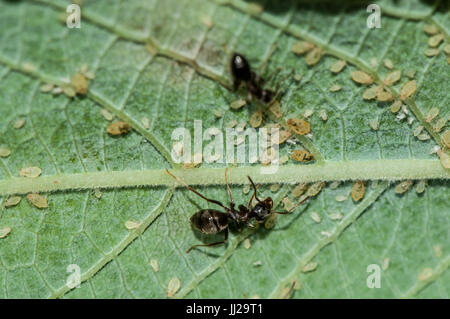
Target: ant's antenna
194,191
254,189
293,208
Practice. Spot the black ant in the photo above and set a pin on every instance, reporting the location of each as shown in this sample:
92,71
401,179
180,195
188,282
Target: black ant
211,222
241,71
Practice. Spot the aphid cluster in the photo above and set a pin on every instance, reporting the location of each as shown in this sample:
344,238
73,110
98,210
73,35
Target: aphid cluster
242,73
211,222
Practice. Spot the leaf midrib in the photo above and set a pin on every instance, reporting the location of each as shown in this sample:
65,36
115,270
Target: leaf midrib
390,170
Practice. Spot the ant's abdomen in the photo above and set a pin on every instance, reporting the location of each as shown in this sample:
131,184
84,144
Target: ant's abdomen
209,221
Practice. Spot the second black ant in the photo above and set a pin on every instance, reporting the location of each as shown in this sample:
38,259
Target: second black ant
211,222
242,73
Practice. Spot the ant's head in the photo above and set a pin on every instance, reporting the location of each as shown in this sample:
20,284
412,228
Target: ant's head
263,209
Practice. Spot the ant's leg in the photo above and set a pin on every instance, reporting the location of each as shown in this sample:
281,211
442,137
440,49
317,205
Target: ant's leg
273,74
194,191
253,195
228,187
254,189
212,244
277,88
292,209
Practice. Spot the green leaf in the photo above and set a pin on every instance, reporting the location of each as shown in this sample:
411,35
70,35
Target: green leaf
115,213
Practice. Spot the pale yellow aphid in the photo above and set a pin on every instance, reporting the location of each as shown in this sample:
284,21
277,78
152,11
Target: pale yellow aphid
313,56
119,128
13,201
19,123
336,216
315,189
437,251
335,184
439,124
37,200
288,204
145,122
106,114
420,187
446,138
256,119
358,191
231,124
447,49
425,274
235,105
47,87
255,8
69,91
408,89
308,113
430,29
402,187
4,151
418,130
283,136
97,193
302,47
247,243
31,172
372,92
392,77
434,111
323,115
374,124
384,96
361,77
396,106
131,224
445,158
430,52
385,263
299,190
315,217
154,264
80,83
335,88
207,22
311,266
435,40
388,64
270,221
338,66
423,137
275,187
4,231
275,109
173,286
